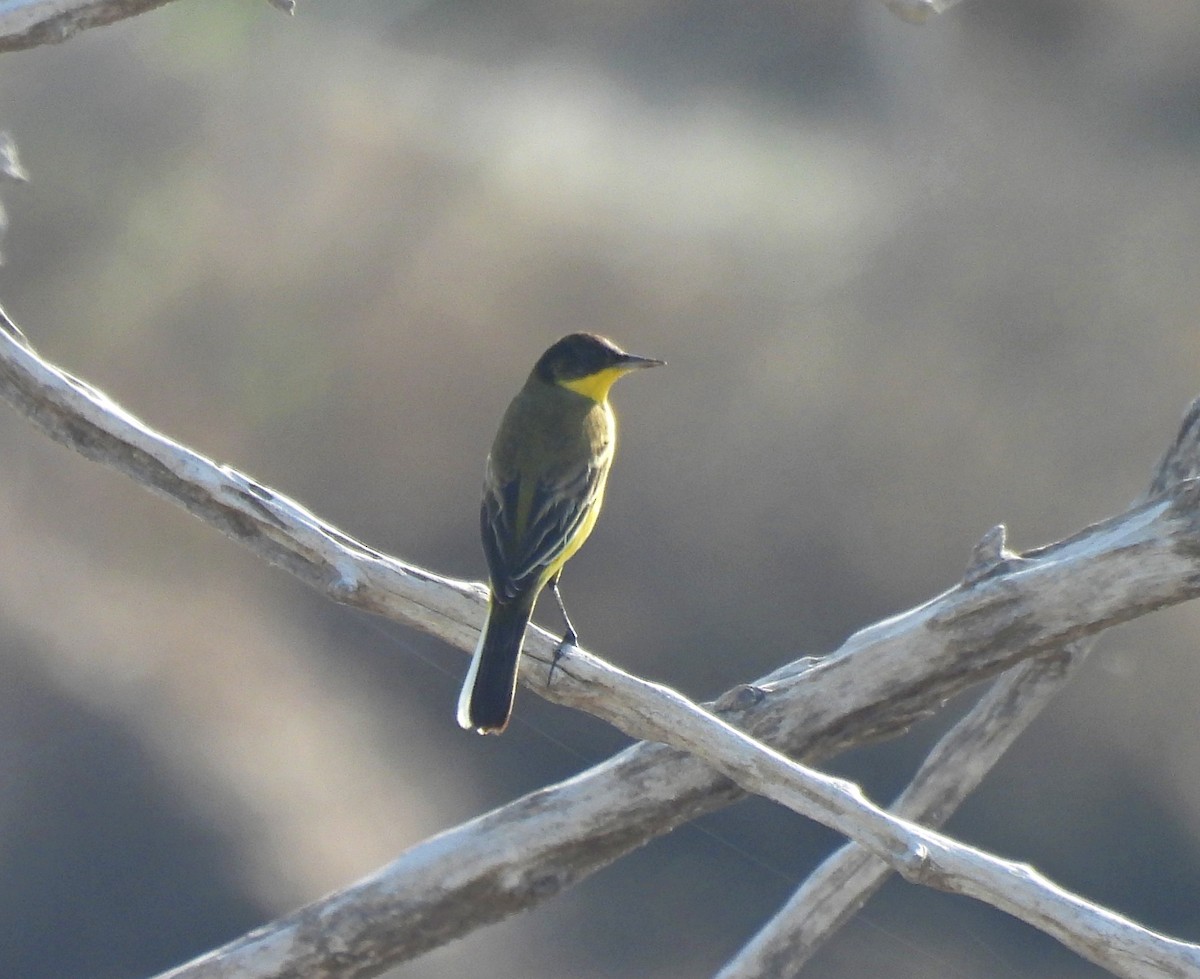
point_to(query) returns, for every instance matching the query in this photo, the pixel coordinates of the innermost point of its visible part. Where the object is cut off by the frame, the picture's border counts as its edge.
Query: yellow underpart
(596, 386)
(581, 534)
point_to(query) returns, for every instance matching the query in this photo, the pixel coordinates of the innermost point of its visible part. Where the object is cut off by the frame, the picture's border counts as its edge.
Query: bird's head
(588, 364)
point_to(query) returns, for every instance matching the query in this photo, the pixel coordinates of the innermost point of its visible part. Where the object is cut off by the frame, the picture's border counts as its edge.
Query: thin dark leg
(570, 638)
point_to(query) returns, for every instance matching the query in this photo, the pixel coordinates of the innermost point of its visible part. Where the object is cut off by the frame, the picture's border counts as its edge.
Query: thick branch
(922, 856)
(841, 885)
(835, 891)
(880, 680)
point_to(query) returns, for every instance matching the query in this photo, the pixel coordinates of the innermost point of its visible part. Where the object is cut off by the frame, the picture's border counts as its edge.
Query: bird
(543, 486)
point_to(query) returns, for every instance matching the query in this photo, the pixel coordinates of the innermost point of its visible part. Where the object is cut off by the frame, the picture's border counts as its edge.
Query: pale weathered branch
(835, 891)
(881, 679)
(29, 23)
(832, 894)
(922, 856)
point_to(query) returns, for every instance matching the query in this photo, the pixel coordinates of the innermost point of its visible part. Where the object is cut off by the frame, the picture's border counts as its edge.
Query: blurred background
(911, 282)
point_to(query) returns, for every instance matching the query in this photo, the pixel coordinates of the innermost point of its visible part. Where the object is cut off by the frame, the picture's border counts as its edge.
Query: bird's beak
(631, 362)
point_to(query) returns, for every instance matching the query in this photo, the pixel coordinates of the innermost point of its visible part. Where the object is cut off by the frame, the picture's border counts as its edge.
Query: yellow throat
(596, 386)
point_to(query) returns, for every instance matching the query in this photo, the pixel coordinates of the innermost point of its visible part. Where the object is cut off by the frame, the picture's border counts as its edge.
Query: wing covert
(523, 531)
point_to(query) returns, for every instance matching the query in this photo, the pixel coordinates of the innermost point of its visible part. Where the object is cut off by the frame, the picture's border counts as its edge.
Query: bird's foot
(569, 639)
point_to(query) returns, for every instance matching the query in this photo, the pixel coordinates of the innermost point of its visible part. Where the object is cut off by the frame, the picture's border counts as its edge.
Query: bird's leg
(569, 637)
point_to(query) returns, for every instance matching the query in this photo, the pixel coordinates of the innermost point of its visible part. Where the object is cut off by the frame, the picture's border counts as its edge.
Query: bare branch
(921, 856)
(270, 524)
(838, 888)
(29, 23)
(880, 680)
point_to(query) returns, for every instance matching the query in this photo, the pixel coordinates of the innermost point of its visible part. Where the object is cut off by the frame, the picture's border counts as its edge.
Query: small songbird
(542, 491)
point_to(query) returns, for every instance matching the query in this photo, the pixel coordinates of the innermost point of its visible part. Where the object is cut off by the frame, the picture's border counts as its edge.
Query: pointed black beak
(632, 361)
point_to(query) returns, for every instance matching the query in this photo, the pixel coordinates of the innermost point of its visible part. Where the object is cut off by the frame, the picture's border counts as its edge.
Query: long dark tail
(487, 694)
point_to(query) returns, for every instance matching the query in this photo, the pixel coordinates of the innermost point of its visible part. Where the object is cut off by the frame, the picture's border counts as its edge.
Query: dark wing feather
(496, 515)
(519, 547)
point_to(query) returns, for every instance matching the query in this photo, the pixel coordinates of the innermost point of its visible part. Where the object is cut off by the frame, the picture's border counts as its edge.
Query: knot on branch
(916, 864)
(741, 697)
(345, 583)
(990, 556)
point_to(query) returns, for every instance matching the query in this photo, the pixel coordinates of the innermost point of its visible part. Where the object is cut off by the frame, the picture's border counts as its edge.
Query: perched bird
(542, 491)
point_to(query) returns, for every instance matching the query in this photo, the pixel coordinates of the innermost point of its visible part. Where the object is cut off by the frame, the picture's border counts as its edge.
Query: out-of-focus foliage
(910, 283)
